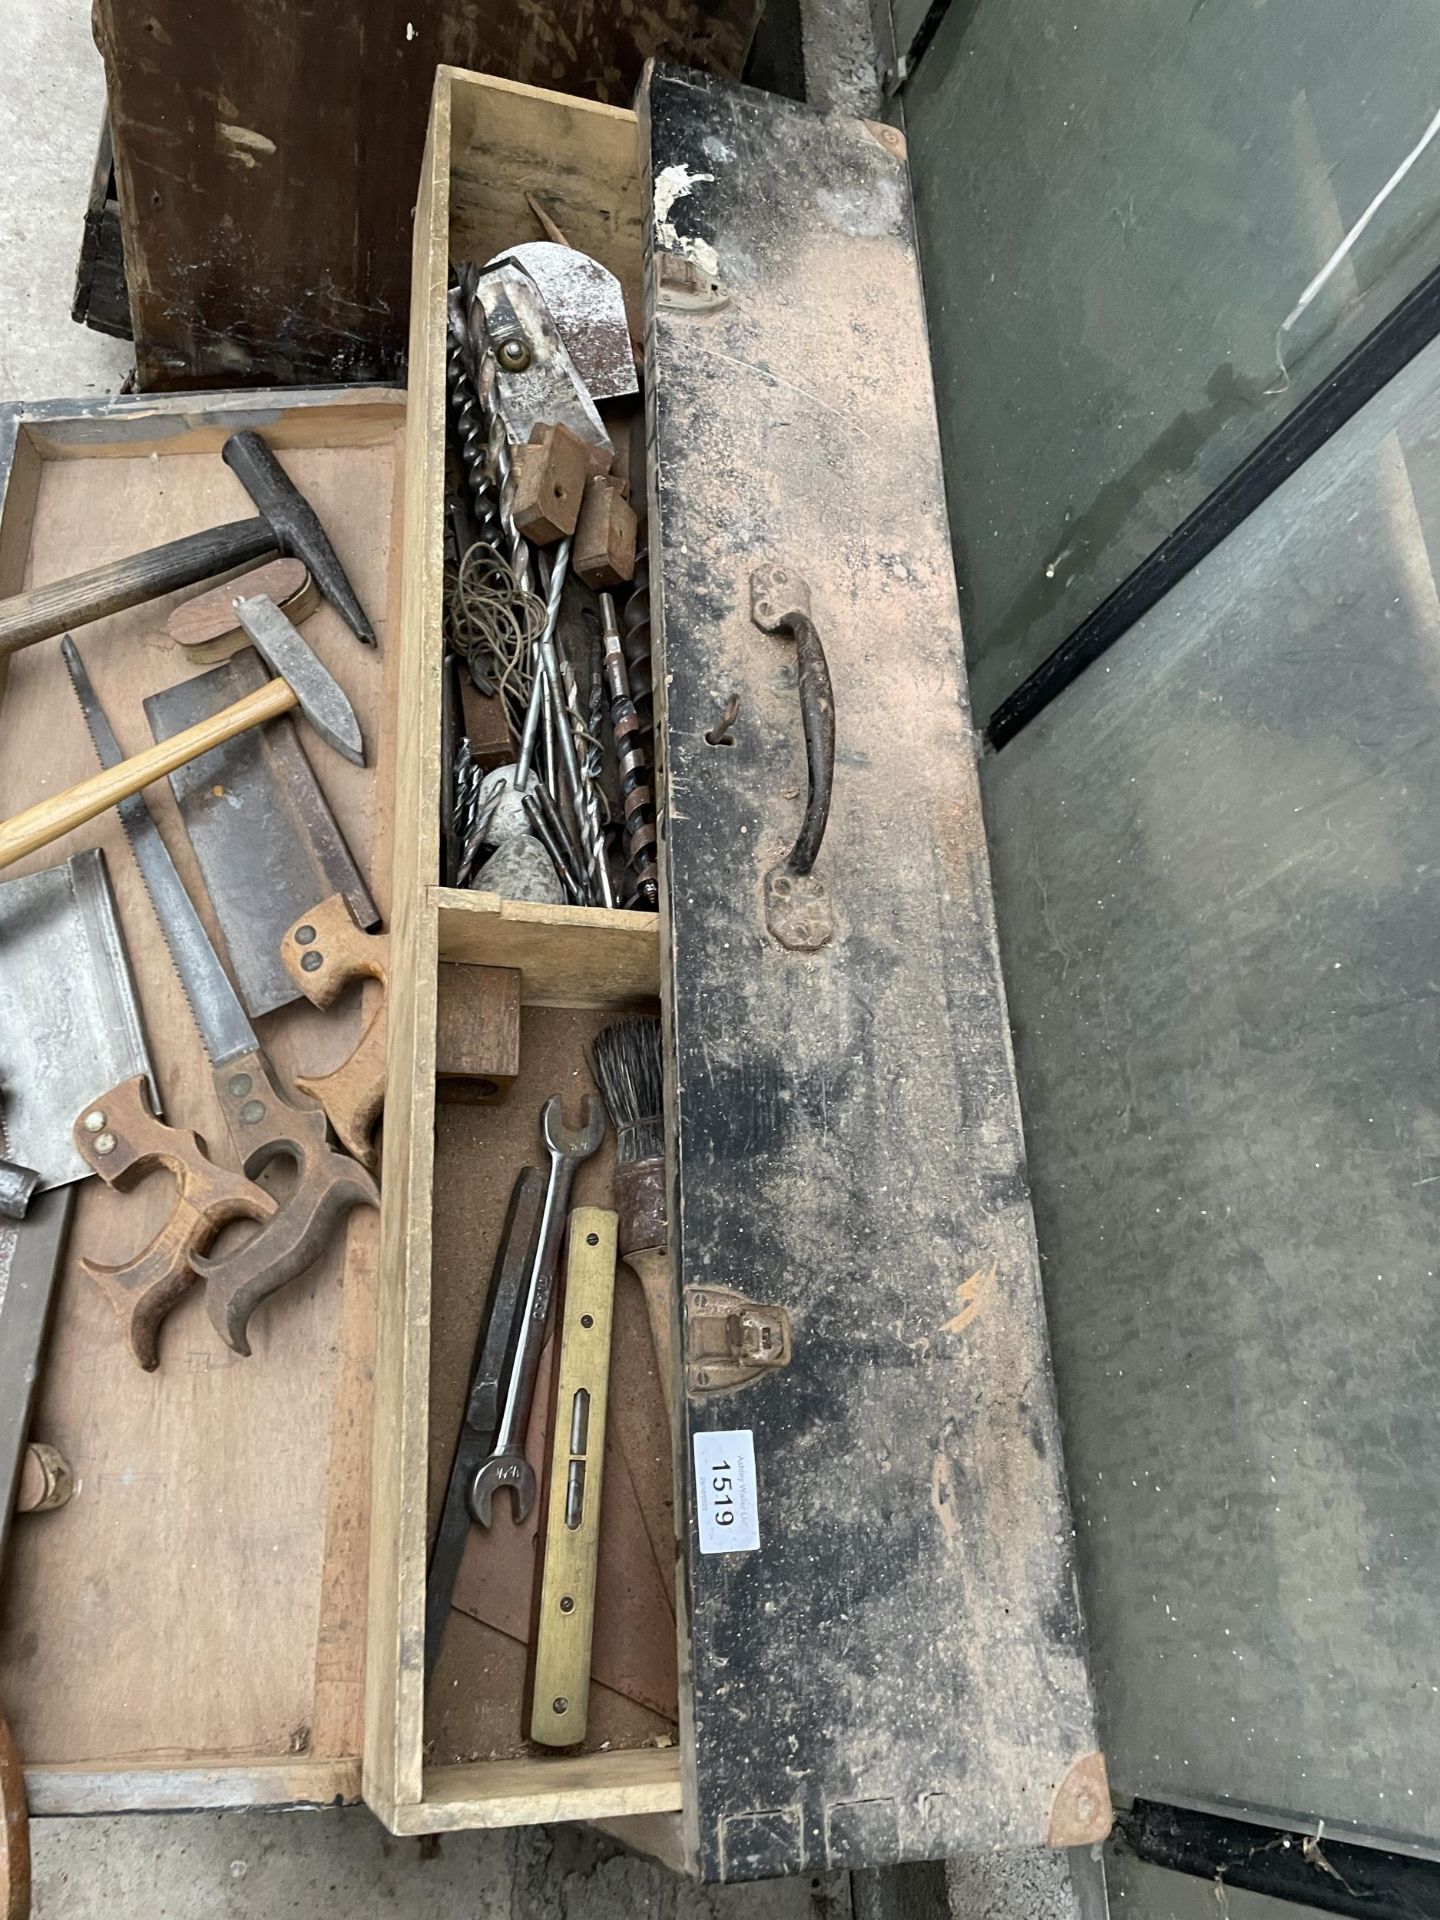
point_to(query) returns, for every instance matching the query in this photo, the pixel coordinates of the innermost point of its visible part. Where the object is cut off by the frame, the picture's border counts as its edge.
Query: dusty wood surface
(566, 956)
(215, 1545)
(395, 1607)
(266, 172)
(541, 1791)
(898, 1670)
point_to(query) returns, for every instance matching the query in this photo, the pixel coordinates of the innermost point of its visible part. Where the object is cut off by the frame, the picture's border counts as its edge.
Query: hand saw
(70, 1024)
(263, 1125)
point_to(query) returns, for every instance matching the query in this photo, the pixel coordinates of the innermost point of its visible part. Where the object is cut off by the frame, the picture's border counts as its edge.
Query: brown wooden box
(800, 421)
(490, 141)
(189, 1630)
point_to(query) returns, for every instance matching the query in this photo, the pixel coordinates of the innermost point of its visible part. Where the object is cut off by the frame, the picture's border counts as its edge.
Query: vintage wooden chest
(897, 1669)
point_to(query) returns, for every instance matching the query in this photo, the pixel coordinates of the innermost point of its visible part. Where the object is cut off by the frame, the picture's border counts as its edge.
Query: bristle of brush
(627, 1072)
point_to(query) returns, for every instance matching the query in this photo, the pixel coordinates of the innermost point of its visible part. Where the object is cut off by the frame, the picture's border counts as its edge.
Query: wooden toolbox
(890, 1665)
(897, 1669)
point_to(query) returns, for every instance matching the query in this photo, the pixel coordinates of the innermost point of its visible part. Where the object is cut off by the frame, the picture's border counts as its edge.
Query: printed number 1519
(722, 1499)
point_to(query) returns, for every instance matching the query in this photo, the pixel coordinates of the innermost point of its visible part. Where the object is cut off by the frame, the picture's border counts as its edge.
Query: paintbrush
(627, 1072)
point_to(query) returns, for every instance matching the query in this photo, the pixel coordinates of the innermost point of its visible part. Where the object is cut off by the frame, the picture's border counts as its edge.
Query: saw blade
(70, 1024)
(214, 1004)
(268, 847)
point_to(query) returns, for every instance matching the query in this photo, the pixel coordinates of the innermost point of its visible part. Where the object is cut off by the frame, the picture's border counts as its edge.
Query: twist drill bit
(556, 675)
(635, 640)
(595, 719)
(636, 798)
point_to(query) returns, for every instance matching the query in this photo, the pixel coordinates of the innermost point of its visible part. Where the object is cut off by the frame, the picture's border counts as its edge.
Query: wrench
(507, 1465)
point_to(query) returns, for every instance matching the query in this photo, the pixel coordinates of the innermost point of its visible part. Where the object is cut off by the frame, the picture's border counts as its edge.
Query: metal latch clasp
(730, 1340)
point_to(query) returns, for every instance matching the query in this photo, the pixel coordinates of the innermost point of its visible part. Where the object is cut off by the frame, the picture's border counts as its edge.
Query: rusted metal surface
(897, 1670)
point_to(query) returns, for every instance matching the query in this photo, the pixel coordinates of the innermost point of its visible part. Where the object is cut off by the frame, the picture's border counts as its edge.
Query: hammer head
(295, 524)
(322, 701)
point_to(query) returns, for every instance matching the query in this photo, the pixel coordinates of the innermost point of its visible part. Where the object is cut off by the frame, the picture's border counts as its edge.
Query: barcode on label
(726, 1503)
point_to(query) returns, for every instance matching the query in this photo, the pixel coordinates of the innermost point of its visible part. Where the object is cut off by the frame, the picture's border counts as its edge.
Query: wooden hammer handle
(45, 611)
(48, 819)
(323, 952)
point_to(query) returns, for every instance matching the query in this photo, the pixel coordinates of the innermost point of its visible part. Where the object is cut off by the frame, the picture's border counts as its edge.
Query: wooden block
(484, 721)
(477, 1032)
(604, 554)
(549, 480)
(206, 626)
(625, 423)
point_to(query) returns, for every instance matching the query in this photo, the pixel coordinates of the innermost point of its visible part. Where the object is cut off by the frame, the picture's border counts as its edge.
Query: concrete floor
(269, 1866)
(52, 97)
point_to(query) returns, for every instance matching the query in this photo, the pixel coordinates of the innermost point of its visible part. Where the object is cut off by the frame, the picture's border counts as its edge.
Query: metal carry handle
(797, 906)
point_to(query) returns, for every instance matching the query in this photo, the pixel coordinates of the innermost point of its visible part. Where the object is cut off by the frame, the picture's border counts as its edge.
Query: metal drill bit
(534, 714)
(636, 798)
(554, 676)
(470, 429)
(479, 362)
(594, 753)
(635, 639)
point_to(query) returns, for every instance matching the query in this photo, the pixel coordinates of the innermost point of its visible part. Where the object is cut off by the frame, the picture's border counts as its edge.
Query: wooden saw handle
(326, 1185)
(323, 953)
(651, 1267)
(122, 1141)
(48, 819)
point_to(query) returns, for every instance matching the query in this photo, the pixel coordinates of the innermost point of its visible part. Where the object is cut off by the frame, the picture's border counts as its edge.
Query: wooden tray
(189, 1630)
(490, 142)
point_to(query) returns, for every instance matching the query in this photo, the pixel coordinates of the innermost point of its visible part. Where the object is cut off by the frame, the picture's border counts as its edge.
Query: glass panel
(1118, 207)
(1217, 882)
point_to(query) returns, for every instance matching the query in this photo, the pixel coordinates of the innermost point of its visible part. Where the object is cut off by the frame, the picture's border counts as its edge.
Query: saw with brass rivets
(262, 1124)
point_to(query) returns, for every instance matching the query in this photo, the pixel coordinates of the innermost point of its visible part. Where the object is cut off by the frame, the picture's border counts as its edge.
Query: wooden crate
(189, 1630)
(490, 141)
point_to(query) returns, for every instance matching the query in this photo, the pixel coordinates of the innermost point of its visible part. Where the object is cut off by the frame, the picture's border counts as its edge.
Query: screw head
(567, 1604)
(238, 1085)
(252, 1113)
(304, 935)
(106, 1143)
(312, 962)
(587, 1319)
(592, 1239)
(94, 1121)
(513, 355)
(560, 1704)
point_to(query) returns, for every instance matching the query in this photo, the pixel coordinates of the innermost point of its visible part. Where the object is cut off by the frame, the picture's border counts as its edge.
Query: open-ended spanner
(507, 1465)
